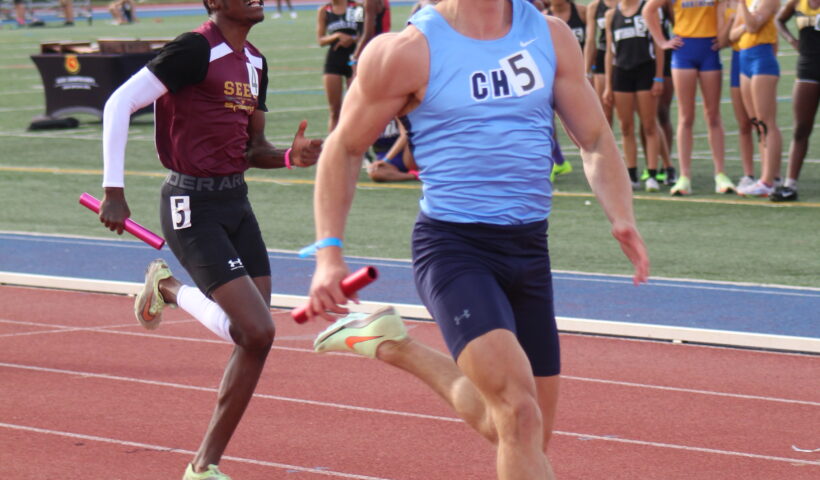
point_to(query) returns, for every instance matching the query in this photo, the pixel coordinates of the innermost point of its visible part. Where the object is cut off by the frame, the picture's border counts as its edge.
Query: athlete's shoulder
(188, 47)
(183, 61)
(191, 41)
(395, 63)
(396, 48)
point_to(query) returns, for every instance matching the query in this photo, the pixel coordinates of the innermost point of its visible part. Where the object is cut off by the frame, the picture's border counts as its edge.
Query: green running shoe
(560, 169)
(212, 473)
(682, 187)
(723, 184)
(362, 333)
(149, 303)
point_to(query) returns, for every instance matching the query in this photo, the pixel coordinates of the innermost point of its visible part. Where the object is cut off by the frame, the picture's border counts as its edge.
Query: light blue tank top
(483, 134)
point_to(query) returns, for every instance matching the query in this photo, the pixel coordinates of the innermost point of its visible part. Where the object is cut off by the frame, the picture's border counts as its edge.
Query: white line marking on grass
(582, 436)
(19, 109)
(160, 448)
(34, 89)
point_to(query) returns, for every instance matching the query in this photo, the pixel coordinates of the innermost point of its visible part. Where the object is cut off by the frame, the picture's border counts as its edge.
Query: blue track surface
(695, 304)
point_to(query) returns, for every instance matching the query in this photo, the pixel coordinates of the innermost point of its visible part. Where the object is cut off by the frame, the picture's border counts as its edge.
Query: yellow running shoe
(149, 303)
(212, 473)
(723, 184)
(362, 333)
(682, 187)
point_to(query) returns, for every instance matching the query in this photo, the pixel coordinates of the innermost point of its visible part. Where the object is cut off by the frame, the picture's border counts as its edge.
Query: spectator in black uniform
(806, 92)
(595, 50)
(338, 26)
(634, 72)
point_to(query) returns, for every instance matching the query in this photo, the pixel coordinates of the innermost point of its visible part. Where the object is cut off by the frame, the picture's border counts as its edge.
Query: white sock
(208, 312)
(791, 183)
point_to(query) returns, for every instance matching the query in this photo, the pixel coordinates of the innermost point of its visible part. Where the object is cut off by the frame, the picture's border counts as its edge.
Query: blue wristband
(311, 249)
(658, 79)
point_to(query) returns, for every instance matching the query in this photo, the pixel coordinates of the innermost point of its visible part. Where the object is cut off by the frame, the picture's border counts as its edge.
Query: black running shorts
(210, 227)
(633, 80)
(808, 69)
(337, 62)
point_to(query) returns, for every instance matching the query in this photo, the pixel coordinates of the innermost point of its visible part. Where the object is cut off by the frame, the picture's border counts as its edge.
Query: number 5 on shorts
(181, 211)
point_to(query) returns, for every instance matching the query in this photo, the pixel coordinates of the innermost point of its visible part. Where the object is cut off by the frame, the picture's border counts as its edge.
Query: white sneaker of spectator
(758, 189)
(745, 181)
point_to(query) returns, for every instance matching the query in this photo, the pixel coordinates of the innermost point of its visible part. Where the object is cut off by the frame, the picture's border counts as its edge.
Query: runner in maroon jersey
(209, 86)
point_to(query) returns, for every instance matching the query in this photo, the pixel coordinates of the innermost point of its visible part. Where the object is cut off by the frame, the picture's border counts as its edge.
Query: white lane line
(582, 436)
(692, 390)
(109, 329)
(160, 448)
(691, 449)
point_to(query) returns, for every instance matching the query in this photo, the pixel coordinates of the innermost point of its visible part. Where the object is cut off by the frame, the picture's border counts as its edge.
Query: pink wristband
(287, 159)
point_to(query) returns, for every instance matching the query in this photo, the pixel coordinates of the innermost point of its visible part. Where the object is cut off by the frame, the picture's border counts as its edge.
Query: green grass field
(706, 236)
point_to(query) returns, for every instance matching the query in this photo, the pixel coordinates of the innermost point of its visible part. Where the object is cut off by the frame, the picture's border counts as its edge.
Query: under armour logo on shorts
(235, 264)
(463, 316)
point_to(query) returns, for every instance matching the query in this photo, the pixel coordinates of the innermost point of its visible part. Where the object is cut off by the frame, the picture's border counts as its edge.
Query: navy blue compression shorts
(475, 278)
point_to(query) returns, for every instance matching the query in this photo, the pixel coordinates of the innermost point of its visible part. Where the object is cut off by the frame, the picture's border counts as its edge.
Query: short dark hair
(207, 8)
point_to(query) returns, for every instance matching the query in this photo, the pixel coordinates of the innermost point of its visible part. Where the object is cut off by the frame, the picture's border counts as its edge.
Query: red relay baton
(350, 284)
(88, 201)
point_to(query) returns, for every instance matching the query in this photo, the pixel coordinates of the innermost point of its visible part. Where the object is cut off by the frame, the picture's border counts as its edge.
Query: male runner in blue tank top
(476, 87)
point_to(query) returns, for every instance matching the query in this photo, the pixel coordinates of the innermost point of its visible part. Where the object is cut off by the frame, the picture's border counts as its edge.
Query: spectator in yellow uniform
(695, 60)
(756, 36)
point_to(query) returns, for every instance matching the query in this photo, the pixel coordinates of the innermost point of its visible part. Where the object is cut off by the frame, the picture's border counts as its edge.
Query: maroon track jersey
(202, 122)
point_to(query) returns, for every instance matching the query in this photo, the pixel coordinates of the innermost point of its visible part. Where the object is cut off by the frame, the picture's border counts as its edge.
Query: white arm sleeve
(137, 92)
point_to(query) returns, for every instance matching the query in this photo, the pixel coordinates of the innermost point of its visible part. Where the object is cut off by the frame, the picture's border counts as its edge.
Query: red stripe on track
(87, 390)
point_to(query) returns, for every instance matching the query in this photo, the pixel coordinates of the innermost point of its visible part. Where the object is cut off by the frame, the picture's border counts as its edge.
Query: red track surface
(87, 394)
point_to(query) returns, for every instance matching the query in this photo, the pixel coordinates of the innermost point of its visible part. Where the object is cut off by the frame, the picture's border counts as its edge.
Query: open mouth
(255, 3)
